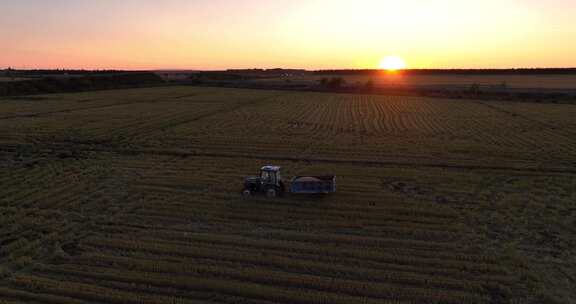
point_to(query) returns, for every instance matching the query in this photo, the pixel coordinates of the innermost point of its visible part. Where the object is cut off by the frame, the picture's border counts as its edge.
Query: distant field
(5, 79)
(133, 196)
(511, 81)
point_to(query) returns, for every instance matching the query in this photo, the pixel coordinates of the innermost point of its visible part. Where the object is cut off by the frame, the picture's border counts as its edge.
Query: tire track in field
(224, 110)
(68, 226)
(562, 138)
(40, 114)
(560, 132)
(72, 110)
(370, 163)
(359, 162)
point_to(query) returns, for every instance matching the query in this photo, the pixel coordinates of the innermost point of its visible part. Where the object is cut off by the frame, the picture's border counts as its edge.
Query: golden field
(133, 196)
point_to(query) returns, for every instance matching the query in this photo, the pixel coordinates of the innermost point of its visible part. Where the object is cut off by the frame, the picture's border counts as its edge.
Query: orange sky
(313, 34)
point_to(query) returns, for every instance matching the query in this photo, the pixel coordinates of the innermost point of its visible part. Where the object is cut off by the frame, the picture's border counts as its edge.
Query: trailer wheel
(246, 193)
(271, 193)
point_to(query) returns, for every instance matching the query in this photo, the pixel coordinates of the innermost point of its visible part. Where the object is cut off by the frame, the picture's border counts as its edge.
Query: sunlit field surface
(133, 196)
(387, 79)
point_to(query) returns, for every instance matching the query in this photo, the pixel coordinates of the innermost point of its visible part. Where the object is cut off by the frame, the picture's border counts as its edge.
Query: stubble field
(133, 196)
(532, 83)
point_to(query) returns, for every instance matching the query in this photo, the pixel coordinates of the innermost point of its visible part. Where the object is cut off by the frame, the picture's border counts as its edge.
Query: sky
(311, 34)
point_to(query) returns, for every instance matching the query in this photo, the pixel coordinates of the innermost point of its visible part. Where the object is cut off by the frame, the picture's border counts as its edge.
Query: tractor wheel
(271, 193)
(246, 193)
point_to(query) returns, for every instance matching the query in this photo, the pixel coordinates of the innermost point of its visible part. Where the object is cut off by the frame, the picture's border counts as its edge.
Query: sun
(392, 63)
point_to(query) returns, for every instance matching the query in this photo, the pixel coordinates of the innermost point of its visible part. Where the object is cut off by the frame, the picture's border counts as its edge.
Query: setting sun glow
(392, 63)
(307, 34)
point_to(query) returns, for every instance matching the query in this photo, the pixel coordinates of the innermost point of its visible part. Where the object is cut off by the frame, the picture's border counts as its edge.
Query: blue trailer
(270, 182)
(313, 184)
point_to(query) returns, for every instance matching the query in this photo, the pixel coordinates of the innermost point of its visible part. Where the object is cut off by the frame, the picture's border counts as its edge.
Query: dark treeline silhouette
(523, 71)
(43, 72)
(82, 83)
(275, 70)
(216, 76)
(245, 74)
(333, 83)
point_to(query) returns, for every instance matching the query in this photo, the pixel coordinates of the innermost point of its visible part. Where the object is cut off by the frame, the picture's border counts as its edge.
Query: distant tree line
(76, 84)
(534, 71)
(272, 72)
(339, 83)
(47, 72)
(333, 83)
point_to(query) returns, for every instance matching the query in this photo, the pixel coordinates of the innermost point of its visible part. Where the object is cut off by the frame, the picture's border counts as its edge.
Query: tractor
(270, 183)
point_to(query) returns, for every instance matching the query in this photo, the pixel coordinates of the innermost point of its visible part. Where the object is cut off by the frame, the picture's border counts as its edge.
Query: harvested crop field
(6, 79)
(133, 196)
(566, 82)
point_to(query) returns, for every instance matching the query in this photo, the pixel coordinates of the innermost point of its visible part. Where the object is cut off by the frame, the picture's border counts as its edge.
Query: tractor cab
(270, 175)
(269, 182)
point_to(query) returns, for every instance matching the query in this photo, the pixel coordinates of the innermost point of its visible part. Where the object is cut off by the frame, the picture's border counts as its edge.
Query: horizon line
(276, 68)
